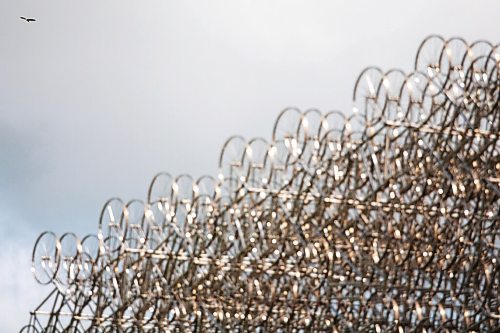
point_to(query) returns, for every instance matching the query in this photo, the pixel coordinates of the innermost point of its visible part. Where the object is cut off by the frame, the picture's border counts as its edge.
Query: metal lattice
(383, 221)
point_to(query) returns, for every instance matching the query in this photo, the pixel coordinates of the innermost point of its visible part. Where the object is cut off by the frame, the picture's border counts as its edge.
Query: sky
(98, 96)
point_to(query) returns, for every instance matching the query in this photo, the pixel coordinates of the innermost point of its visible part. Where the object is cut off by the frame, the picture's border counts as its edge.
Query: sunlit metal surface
(386, 220)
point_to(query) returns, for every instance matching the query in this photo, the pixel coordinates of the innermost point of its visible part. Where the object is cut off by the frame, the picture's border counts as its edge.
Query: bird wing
(31, 20)
(22, 17)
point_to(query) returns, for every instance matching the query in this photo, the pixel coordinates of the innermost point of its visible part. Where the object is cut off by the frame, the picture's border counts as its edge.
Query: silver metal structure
(383, 221)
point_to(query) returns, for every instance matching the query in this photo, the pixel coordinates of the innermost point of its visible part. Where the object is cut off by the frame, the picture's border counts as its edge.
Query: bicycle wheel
(46, 258)
(110, 220)
(70, 250)
(231, 156)
(160, 188)
(286, 129)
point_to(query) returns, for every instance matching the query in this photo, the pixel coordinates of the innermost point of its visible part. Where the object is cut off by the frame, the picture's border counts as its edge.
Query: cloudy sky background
(98, 96)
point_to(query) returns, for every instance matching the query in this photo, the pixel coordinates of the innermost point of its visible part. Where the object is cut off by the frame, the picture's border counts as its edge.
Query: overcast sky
(98, 96)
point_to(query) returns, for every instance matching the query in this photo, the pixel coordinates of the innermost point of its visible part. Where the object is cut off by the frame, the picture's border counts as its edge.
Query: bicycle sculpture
(383, 221)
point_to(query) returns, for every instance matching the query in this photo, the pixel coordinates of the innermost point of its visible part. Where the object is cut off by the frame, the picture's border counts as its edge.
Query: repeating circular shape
(46, 257)
(111, 217)
(382, 221)
(231, 157)
(160, 188)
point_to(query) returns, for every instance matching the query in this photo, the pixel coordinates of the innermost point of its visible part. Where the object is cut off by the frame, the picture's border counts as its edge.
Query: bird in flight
(27, 19)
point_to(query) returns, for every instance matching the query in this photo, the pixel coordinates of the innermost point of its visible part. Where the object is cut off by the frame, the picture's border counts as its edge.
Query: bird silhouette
(27, 19)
